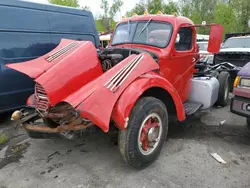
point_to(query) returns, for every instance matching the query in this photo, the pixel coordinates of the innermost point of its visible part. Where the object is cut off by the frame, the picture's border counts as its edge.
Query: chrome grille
(62, 51)
(42, 99)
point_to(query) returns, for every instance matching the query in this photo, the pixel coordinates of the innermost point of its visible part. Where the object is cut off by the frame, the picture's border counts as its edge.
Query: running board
(191, 107)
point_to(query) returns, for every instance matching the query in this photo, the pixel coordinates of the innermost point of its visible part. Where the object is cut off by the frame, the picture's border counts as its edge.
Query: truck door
(182, 61)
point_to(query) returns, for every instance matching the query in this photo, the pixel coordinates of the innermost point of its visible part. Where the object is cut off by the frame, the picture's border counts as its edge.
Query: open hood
(64, 70)
(36, 67)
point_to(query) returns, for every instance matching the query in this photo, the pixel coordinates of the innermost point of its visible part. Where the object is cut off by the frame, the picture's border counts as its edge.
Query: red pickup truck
(146, 75)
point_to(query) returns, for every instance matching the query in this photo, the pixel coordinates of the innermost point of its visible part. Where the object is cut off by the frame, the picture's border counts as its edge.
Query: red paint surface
(66, 74)
(215, 38)
(241, 92)
(77, 77)
(96, 101)
(129, 97)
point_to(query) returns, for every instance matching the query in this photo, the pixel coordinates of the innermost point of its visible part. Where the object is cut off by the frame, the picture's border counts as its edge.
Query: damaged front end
(41, 120)
(61, 72)
(73, 91)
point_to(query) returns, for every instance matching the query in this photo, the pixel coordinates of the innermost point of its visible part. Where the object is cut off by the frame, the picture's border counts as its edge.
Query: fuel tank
(61, 72)
(204, 90)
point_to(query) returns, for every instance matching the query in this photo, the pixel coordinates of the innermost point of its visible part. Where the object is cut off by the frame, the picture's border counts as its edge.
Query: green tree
(107, 18)
(185, 8)
(69, 3)
(170, 7)
(139, 9)
(153, 6)
(242, 10)
(225, 15)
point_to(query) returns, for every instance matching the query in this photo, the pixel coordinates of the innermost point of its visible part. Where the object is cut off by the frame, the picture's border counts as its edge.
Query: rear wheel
(223, 96)
(143, 140)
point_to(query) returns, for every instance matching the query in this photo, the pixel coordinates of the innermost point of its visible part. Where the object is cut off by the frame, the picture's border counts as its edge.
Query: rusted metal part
(27, 117)
(59, 129)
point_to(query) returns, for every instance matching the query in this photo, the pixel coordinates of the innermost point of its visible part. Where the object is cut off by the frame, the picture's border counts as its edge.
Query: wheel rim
(226, 92)
(149, 134)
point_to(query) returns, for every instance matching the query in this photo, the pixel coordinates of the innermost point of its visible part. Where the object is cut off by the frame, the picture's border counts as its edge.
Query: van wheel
(223, 96)
(141, 143)
(50, 123)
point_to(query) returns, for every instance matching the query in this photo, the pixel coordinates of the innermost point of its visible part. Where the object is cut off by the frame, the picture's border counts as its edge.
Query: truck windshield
(243, 42)
(143, 32)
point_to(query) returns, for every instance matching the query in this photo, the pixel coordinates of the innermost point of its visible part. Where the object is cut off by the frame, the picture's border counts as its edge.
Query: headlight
(207, 59)
(210, 59)
(245, 82)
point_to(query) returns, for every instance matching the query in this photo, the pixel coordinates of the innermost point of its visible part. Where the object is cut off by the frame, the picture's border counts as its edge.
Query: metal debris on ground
(218, 158)
(222, 122)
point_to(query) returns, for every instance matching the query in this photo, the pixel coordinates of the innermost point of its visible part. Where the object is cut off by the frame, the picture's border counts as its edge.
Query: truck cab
(147, 74)
(168, 39)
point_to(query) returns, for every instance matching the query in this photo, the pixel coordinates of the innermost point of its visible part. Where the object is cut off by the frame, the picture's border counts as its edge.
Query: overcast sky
(95, 6)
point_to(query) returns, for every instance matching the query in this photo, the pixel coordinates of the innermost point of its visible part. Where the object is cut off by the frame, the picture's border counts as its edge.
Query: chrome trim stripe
(62, 51)
(119, 77)
(110, 81)
(122, 75)
(121, 82)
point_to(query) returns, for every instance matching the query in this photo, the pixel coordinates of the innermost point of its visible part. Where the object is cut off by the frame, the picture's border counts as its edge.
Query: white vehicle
(235, 50)
(203, 50)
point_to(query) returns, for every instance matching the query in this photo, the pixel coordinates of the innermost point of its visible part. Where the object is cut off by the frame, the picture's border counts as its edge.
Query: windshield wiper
(145, 26)
(129, 26)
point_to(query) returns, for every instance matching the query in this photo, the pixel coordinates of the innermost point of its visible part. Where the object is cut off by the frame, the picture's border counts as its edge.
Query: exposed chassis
(28, 120)
(214, 70)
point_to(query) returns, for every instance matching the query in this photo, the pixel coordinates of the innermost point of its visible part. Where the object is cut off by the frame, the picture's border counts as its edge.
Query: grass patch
(19, 148)
(3, 138)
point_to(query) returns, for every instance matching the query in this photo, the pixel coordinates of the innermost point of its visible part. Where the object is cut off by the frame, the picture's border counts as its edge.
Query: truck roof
(174, 20)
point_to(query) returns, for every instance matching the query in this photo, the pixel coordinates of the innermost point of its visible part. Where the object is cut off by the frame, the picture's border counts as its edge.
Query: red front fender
(132, 93)
(96, 100)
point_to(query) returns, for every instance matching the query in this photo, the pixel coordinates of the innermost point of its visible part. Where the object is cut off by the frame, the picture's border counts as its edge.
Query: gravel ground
(94, 161)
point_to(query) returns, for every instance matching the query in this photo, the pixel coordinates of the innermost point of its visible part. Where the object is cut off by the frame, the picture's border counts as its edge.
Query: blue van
(29, 30)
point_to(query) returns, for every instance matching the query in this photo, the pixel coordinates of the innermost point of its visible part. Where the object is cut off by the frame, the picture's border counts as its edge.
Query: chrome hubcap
(149, 134)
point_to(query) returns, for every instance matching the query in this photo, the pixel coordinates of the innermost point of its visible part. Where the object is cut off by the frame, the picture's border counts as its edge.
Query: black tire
(50, 123)
(128, 139)
(248, 123)
(223, 96)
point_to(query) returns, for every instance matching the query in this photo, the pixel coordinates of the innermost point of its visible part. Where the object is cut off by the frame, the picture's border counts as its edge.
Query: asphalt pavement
(94, 161)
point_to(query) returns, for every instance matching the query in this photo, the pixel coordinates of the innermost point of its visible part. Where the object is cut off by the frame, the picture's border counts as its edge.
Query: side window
(184, 39)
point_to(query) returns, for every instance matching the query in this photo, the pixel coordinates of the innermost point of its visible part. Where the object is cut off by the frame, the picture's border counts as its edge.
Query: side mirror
(215, 38)
(177, 38)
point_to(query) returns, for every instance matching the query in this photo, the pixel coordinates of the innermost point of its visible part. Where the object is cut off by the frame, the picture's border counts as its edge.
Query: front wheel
(141, 143)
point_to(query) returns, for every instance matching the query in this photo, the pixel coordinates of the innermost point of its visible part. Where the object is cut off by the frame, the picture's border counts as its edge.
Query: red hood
(64, 70)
